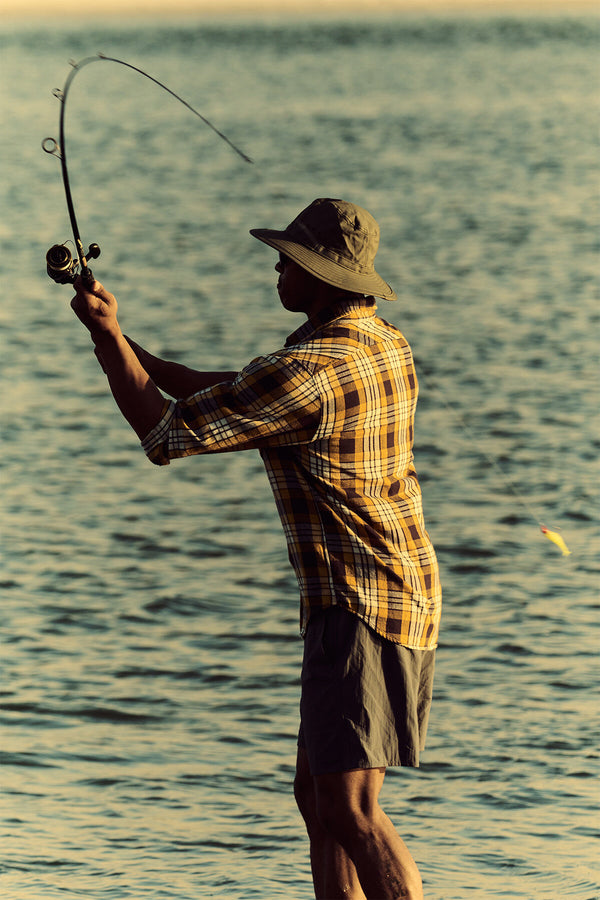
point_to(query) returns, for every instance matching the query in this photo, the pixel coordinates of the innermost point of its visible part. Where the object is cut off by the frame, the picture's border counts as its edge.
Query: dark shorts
(365, 700)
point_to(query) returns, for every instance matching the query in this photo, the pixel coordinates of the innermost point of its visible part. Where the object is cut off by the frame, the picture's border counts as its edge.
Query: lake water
(150, 651)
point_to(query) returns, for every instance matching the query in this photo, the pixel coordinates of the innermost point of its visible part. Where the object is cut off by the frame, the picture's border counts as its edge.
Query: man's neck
(331, 297)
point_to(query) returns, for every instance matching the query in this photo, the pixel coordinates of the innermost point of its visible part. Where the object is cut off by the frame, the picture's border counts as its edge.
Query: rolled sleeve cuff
(155, 444)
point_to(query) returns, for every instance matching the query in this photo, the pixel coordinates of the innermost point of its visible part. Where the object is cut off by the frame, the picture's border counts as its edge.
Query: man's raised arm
(136, 395)
(134, 375)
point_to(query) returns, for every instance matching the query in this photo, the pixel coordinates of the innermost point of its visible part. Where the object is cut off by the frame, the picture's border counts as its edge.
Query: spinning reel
(61, 266)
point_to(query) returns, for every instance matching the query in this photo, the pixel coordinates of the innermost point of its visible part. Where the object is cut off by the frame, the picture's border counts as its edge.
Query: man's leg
(358, 690)
(334, 874)
(348, 810)
(351, 836)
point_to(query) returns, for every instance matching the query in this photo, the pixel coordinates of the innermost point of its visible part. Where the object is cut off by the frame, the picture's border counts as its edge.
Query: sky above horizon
(18, 8)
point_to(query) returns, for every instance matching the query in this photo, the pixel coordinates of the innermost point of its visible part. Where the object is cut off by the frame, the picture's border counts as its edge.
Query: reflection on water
(150, 651)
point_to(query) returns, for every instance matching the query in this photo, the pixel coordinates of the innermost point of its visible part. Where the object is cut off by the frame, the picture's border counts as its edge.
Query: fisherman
(332, 416)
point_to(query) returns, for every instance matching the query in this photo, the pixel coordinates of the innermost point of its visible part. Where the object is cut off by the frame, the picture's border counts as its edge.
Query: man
(332, 416)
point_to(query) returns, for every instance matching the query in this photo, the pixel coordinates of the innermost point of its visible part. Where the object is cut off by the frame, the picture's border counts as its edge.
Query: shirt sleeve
(274, 401)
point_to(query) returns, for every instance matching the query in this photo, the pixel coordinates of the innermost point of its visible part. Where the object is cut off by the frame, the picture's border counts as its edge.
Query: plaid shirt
(332, 416)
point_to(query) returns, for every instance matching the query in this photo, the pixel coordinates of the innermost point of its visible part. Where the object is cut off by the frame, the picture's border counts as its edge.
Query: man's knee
(304, 792)
(343, 816)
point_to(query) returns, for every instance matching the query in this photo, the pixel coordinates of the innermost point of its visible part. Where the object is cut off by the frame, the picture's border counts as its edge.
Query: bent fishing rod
(60, 263)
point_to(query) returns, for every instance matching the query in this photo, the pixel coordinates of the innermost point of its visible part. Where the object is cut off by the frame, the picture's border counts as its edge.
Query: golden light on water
(21, 8)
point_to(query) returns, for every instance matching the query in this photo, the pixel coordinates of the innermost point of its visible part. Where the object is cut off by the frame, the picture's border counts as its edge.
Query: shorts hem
(406, 758)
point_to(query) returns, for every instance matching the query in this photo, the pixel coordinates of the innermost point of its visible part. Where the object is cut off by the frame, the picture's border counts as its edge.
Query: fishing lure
(556, 539)
(60, 264)
(553, 536)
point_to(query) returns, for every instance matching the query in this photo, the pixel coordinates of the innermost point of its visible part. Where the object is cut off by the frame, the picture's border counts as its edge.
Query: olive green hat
(336, 241)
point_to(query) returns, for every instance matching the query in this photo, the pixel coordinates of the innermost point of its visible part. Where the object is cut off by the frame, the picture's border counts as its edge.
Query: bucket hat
(336, 241)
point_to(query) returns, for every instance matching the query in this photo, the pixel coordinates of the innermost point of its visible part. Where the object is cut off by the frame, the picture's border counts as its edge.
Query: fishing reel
(63, 268)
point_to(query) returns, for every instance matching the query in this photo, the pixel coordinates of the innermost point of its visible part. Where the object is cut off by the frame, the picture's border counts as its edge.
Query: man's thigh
(363, 697)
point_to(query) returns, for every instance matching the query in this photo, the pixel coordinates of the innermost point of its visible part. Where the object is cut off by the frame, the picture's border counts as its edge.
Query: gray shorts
(365, 700)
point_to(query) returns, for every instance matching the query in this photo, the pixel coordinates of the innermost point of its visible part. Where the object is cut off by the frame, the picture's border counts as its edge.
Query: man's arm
(136, 395)
(178, 381)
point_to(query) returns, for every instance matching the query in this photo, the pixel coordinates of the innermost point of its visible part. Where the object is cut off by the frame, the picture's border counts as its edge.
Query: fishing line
(60, 265)
(553, 536)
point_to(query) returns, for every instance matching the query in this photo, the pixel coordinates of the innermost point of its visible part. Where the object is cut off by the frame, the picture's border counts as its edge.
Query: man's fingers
(92, 287)
(85, 287)
(99, 291)
(78, 303)
(93, 295)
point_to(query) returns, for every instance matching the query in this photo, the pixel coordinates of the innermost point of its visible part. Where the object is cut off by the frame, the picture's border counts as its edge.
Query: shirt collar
(344, 309)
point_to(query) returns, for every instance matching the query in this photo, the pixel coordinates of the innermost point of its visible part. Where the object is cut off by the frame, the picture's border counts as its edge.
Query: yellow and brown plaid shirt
(332, 416)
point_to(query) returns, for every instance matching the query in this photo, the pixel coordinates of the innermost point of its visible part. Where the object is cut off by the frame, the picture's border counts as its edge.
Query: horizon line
(295, 8)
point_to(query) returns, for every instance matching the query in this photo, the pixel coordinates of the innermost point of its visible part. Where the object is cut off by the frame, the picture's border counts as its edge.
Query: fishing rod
(60, 264)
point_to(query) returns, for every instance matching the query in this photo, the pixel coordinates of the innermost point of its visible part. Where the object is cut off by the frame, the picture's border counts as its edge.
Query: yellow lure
(556, 539)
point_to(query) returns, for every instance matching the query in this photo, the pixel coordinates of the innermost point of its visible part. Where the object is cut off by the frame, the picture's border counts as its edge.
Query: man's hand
(96, 308)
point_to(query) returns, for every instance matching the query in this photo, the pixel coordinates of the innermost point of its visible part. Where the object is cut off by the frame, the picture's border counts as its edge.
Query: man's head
(336, 242)
(299, 291)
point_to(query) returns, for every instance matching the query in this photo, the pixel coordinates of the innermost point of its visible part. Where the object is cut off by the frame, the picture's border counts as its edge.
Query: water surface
(150, 650)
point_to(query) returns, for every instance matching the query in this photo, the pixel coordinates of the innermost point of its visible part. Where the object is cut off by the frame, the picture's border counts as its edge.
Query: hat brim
(327, 270)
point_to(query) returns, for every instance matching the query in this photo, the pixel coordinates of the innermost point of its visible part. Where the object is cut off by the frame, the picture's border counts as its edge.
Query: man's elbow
(158, 456)
(160, 462)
